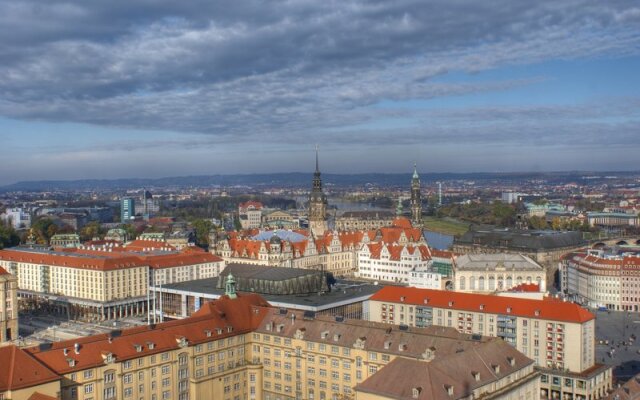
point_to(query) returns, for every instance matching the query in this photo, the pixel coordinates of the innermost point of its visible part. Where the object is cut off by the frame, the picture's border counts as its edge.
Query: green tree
(536, 222)
(504, 214)
(90, 231)
(202, 228)
(8, 237)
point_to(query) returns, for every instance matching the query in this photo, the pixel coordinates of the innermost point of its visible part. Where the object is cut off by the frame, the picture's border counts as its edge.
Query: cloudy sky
(160, 88)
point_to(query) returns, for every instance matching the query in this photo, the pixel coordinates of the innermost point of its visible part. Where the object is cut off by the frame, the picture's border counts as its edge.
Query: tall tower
(416, 201)
(317, 204)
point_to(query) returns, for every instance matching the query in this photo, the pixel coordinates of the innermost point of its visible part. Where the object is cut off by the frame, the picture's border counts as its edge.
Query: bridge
(615, 241)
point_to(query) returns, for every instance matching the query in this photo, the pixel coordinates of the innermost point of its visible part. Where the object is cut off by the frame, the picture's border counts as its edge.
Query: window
(88, 374)
(165, 369)
(128, 378)
(128, 392)
(110, 393)
(88, 388)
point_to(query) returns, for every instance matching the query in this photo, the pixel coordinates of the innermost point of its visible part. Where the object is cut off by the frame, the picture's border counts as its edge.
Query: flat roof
(342, 293)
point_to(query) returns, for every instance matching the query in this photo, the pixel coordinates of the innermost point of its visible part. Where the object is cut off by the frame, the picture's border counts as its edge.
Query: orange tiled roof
(551, 309)
(142, 245)
(73, 261)
(242, 315)
(178, 259)
(21, 371)
(3, 271)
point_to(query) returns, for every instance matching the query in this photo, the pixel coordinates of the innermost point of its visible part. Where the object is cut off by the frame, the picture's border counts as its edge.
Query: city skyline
(140, 90)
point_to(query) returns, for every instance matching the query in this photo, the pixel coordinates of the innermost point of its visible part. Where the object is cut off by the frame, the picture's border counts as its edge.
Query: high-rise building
(317, 204)
(416, 200)
(127, 209)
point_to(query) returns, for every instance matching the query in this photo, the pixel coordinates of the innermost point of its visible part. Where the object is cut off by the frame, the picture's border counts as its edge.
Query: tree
(536, 222)
(202, 228)
(504, 214)
(8, 237)
(90, 231)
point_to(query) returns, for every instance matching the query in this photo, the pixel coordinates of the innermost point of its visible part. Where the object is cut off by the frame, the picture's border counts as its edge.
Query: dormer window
(476, 375)
(449, 389)
(182, 341)
(151, 345)
(536, 313)
(496, 368)
(415, 392)
(207, 333)
(512, 361)
(508, 309)
(219, 331)
(280, 327)
(138, 348)
(324, 334)
(402, 298)
(336, 337)
(72, 362)
(482, 306)
(451, 304)
(229, 329)
(387, 344)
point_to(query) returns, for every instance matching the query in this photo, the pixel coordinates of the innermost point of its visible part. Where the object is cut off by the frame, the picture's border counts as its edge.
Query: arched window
(509, 282)
(472, 283)
(519, 280)
(539, 281)
(462, 283)
(492, 283)
(528, 280)
(481, 283)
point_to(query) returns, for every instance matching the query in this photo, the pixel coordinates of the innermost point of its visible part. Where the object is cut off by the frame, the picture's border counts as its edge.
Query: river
(438, 240)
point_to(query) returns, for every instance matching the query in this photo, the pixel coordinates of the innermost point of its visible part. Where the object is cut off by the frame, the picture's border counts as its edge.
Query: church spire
(317, 165)
(415, 171)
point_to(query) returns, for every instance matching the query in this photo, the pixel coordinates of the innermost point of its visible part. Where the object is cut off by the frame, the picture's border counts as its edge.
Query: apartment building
(8, 307)
(240, 348)
(558, 335)
(602, 279)
(100, 284)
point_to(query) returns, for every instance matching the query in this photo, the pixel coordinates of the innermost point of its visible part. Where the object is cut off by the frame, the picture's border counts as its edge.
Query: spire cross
(317, 169)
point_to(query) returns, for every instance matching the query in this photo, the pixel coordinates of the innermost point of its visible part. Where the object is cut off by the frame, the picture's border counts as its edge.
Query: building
(630, 390)
(8, 307)
(612, 220)
(18, 218)
(250, 214)
(510, 197)
(239, 347)
(558, 335)
(497, 272)
(544, 247)
(602, 280)
(65, 240)
(98, 284)
(317, 205)
(416, 199)
(363, 220)
(290, 288)
(148, 205)
(279, 219)
(127, 209)
(426, 278)
(392, 262)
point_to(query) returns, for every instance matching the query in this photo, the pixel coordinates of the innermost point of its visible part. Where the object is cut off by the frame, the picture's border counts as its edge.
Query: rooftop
(549, 308)
(472, 262)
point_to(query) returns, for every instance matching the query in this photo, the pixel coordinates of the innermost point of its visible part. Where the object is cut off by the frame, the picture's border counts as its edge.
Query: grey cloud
(276, 70)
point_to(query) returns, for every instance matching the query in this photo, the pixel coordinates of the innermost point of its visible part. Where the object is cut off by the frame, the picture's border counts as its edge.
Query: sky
(125, 89)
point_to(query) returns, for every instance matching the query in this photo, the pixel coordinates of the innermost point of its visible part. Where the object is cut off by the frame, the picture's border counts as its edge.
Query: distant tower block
(416, 200)
(439, 194)
(317, 204)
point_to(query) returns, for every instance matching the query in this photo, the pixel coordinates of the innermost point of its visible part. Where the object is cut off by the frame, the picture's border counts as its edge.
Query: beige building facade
(240, 348)
(559, 336)
(8, 307)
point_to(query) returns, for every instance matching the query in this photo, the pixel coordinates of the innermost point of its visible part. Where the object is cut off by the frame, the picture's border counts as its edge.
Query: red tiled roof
(20, 370)
(142, 245)
(402, 222)
(73, 261)
(242, 314)
(251, 203)
(526, 287)
(3, 271)
(551, 309)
